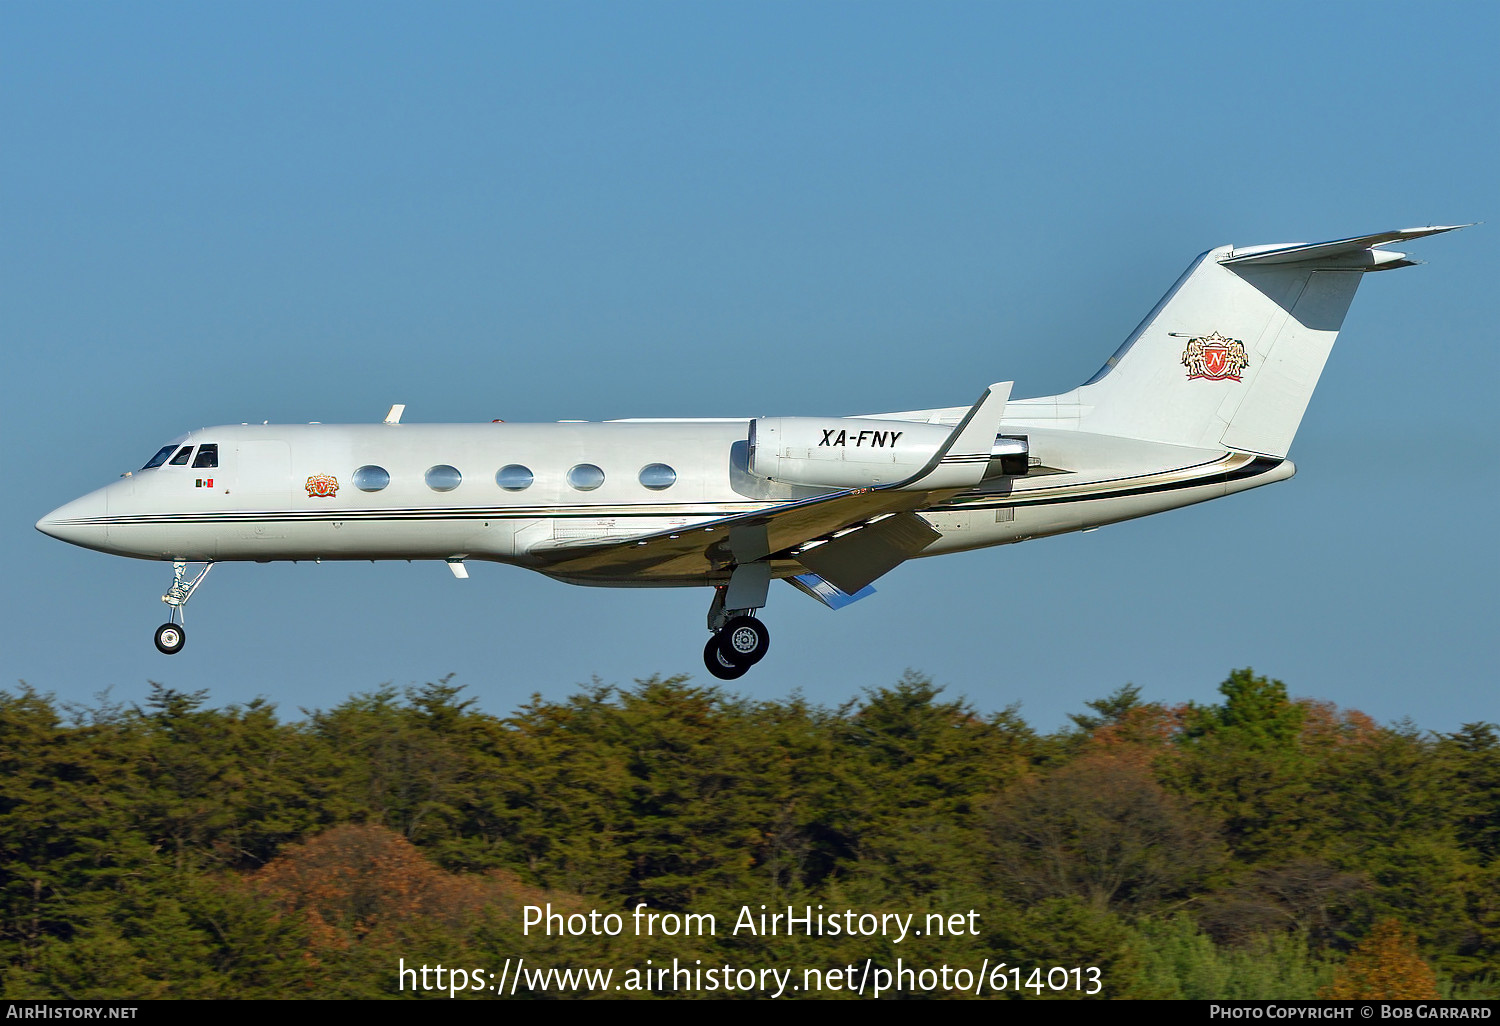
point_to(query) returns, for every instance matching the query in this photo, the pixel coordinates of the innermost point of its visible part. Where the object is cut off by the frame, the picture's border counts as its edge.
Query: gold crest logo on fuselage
(322, 486)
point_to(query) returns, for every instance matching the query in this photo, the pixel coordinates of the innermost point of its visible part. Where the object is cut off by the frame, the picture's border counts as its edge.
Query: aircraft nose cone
(80, 522)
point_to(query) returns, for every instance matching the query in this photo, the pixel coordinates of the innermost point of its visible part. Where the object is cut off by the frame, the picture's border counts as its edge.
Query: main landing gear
(739, 640)
(170, 636)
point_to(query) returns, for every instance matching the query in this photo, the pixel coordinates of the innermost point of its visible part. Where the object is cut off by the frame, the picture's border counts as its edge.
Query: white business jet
(1200, 401)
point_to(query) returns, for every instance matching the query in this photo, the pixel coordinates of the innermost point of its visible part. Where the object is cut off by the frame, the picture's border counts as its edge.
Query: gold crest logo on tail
(1215, 358)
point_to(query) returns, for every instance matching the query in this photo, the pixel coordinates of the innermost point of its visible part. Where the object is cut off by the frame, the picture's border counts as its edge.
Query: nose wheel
(171, 636)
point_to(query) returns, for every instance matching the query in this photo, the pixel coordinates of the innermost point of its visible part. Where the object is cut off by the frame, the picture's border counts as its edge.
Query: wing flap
(856, 560)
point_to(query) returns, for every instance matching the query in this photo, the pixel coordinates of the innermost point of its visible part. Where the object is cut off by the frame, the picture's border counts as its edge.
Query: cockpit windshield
(161, 456)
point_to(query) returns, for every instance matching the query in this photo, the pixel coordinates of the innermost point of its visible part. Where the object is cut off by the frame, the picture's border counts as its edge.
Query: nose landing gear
(170, 636)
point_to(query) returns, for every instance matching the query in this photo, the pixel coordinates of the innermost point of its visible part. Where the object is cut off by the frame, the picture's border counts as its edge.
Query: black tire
(744, 639)
(718, 665)
(170, 638)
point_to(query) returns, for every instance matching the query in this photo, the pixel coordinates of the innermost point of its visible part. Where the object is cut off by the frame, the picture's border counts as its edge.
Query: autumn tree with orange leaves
(1387, 965)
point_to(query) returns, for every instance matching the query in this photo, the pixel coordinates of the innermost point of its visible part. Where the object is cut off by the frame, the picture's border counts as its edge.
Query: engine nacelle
(853, 453)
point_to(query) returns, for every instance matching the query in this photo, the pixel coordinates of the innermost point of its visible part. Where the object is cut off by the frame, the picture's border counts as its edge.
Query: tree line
(1259, 846)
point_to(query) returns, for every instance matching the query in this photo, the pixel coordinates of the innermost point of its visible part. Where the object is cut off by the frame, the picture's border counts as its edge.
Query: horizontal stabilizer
(1361, 251)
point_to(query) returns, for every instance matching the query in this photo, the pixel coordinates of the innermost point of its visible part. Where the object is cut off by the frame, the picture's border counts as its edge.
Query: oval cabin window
(657, 476)
(585, 477)
(443, 478)
(514, 478)
(371, 478)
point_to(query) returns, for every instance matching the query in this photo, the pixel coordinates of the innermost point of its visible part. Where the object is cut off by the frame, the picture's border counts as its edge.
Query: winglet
(826, 592)
(960, 462)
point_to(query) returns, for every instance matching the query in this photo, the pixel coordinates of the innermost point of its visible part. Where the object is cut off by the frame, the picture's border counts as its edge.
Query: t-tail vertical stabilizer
(1230, 356)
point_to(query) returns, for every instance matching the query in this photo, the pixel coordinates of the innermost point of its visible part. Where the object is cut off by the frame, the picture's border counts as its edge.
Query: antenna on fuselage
(394, 417)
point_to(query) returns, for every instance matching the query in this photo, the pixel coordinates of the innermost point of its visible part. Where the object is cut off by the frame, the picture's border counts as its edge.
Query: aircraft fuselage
(283, 492)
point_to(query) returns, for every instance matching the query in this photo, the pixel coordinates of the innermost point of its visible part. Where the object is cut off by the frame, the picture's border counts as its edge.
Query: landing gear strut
(170, 636)
(739, 640)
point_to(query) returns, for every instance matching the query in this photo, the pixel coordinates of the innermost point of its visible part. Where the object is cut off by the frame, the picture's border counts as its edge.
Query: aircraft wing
(717, 545)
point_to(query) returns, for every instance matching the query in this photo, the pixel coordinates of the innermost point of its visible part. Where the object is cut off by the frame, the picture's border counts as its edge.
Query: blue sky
(242, 212)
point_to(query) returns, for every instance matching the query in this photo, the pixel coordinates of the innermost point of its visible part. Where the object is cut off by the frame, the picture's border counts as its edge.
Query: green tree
(1243, 762)
(1181, 962)
(917, 774)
